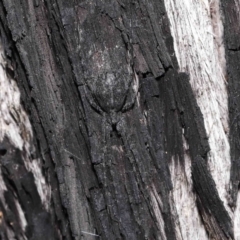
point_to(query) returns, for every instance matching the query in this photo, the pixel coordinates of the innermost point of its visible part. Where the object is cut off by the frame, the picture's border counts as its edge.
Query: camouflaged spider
(111, 94)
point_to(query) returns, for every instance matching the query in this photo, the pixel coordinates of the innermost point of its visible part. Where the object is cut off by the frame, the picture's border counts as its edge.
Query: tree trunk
(119, 119)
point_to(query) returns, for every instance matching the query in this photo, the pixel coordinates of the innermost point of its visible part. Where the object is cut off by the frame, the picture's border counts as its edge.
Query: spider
(111, 94)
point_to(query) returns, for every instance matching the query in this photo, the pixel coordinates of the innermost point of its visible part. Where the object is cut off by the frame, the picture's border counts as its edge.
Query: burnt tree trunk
(119, 119)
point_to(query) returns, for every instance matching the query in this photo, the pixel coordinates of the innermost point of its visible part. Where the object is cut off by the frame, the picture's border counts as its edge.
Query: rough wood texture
(24, 194)
(198, 42)
(116, 114)
(197, 30)
(232, 43)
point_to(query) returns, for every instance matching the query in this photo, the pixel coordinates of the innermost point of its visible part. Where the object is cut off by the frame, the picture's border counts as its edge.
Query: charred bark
(112, 138)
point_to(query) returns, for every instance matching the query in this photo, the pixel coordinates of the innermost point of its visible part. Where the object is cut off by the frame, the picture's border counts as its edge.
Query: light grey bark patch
(217, 221)
(16, 126)
(197, 31)
(184, 199)
(192, 123)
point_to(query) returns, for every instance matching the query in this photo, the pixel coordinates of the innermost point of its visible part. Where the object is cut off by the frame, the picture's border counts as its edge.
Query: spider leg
(91, 100)
(131, 95)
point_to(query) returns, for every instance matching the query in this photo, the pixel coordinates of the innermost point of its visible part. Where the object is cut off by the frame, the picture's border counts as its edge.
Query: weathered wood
(231, 40)
(197, 30)
(128, 104)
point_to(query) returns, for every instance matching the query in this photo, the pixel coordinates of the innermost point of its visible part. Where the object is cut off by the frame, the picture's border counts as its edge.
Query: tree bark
(119, 119)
